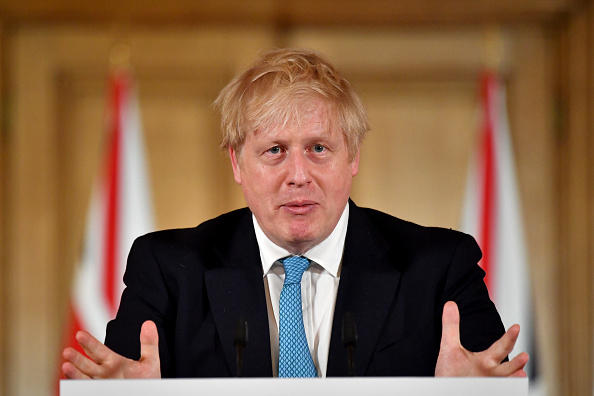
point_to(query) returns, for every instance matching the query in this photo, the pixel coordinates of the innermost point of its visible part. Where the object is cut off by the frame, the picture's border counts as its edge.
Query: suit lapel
(368, 284)
(237, 289)
(367, 289)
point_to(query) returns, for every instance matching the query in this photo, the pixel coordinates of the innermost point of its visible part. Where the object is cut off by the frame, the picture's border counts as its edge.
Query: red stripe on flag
(487, 230)
(113, 195)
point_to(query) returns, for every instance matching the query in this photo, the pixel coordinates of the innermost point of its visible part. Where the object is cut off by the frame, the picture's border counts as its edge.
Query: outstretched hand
(104, 363)
(456, 361)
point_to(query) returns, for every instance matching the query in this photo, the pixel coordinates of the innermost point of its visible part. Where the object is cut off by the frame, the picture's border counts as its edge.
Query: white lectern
(405, 386)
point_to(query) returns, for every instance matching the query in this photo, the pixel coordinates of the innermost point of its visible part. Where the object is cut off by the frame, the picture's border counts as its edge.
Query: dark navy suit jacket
(395, 278)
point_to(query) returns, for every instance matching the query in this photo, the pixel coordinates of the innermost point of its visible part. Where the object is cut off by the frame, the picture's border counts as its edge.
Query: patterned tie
(294, 359)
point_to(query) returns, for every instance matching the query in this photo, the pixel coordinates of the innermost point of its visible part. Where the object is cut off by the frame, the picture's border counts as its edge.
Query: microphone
(240, 341)
(349, 339)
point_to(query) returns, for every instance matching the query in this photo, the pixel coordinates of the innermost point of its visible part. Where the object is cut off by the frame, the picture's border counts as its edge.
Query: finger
(450, 334)
(519, 362)
(149, 343)
(81, 363)
(519, 374)
(93, 348)
(71, 372)
(514, 367)
(503, 346)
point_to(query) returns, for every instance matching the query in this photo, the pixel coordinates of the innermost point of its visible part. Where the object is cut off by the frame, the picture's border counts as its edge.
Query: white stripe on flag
(136, 218)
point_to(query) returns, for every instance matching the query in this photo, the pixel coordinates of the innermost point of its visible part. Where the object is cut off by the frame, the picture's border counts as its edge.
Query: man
(293, 128)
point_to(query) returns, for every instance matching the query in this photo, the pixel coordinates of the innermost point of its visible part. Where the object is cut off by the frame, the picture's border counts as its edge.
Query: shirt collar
(327, 254)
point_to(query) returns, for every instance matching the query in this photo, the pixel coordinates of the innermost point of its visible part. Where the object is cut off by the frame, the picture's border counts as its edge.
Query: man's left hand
(456, 361)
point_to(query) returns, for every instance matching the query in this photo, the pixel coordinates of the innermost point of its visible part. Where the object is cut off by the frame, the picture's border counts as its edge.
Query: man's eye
(274, 150)
(318, 148)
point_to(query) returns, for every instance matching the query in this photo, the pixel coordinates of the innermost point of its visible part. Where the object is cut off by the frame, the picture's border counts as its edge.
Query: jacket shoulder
(415, 236)
(188, 244)
(216, 228)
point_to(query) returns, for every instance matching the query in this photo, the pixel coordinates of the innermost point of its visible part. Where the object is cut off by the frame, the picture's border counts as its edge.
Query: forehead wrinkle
(309, 129)
(297, 118)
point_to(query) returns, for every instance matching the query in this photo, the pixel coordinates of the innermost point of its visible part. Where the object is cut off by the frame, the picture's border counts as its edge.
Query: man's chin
(301, 241)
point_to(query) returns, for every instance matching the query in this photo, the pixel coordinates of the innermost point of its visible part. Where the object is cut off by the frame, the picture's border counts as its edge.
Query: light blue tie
(294, 358)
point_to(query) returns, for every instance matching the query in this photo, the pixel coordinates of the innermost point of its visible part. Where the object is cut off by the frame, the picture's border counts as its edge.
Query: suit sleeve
(146, 297)
(480, 324)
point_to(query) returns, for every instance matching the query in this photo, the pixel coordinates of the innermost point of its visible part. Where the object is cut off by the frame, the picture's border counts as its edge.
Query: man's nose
(298, 169)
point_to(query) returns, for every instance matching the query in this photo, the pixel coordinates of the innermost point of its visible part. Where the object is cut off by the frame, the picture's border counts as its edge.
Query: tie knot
(295, 266)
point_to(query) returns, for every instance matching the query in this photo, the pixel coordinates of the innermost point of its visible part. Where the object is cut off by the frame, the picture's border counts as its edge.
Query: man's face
(296, 179)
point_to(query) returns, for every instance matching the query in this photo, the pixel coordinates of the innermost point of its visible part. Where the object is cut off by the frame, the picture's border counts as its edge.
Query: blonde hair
(274, 91)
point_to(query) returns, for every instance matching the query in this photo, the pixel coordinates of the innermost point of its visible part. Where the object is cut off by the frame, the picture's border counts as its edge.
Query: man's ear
(355, 164)
(235, 165)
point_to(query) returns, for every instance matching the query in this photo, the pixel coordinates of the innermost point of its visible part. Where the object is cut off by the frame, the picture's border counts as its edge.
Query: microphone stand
(240, 342)
(349, 340)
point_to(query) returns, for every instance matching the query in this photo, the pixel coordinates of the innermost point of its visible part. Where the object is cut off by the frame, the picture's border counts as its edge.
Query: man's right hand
(104, 363)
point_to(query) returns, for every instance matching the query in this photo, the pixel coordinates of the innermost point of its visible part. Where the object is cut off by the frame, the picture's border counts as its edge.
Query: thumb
(450, 334)
(149, 343)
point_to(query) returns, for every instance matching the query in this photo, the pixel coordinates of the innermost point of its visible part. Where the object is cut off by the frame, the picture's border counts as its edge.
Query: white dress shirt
(319, 286)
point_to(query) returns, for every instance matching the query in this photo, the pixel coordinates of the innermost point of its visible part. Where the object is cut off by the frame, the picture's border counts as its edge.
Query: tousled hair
(279, 87)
